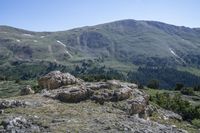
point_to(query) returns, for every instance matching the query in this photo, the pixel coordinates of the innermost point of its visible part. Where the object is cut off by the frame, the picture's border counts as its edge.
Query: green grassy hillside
(122, 45)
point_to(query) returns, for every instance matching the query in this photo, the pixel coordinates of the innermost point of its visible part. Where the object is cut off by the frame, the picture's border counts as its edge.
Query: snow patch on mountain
(66, 51)
(18, 40)
(178, 57)
(61, 43)
(28, 35)
(42, 36)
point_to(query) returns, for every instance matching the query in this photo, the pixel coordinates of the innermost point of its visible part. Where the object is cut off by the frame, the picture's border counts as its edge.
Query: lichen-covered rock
(27, 90)
(56, 79)
(119, 84)
(138, 105)
(122, 93)
(74, 94)
(97, 85)
(103, 96)
(112, 90)
(112, 95)
(12, 104)
(20, 125)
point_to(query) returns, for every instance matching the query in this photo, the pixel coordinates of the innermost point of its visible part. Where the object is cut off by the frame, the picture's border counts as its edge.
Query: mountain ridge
(8, 26)
(123, 45)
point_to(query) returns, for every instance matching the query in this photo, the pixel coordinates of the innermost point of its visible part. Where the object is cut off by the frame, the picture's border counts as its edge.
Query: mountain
(125, 45)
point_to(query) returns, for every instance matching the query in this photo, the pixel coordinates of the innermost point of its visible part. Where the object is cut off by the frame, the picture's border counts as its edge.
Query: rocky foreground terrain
(68, 104)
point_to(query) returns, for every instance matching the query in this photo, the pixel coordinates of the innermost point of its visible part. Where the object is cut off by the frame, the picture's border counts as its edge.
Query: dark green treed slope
(122, 45)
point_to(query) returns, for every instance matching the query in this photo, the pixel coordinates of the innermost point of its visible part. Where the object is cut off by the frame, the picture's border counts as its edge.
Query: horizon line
(21, 28)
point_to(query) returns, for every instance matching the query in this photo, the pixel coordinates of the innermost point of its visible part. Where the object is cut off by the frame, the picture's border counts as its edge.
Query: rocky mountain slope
(122, 45)
(127, 40)
(68, 104)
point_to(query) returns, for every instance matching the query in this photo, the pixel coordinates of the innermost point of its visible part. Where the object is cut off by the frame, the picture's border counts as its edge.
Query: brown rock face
(56, 79)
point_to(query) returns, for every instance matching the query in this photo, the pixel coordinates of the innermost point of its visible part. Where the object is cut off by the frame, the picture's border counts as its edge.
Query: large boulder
(56, 79)
(27, 90)
(74, 94)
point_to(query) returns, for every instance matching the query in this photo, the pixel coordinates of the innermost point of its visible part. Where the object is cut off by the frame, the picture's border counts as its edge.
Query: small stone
(27, 90)
(58, 120)
(107, 128)
(1, 111)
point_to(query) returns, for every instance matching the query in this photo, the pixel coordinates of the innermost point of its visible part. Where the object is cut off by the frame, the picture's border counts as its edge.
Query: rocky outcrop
(56, 79)
(27, 90)
(134, 100)
(20, 125)
(12, 104)
(100, 92)
(122, 108)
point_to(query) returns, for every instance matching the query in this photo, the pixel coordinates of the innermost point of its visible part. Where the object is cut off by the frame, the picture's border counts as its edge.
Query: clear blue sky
(53, 15)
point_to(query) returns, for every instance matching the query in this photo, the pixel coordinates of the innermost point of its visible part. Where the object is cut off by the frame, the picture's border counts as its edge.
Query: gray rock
(12, 104)
(1, 111)
(112, 90)
(97, 85)
(138, 105)
(19, 125)
(27, 90)
(58, 120)
(112, 95)
(74, 94)
(123, 93)
(119, 84)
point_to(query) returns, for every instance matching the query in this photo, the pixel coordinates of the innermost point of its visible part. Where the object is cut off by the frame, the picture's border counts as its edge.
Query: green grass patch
(12, 88)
